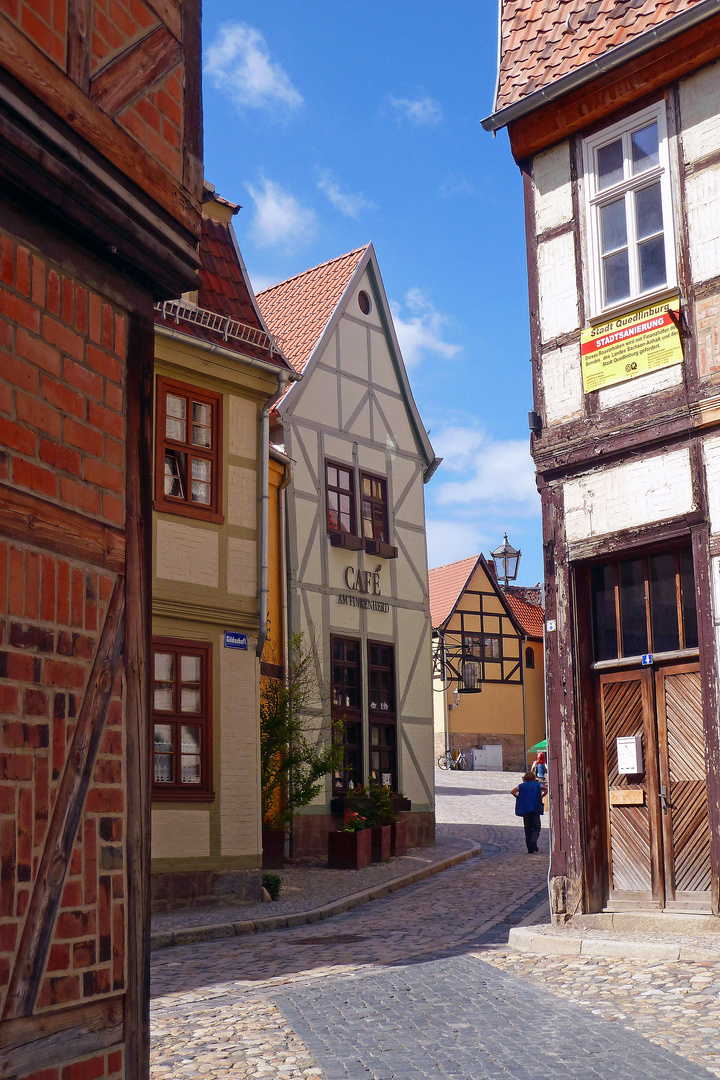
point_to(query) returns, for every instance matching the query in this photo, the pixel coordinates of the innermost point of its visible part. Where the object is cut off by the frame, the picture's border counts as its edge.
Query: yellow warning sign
(631, 345)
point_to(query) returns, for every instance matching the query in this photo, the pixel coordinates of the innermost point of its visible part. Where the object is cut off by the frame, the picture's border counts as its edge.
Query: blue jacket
(529, 798)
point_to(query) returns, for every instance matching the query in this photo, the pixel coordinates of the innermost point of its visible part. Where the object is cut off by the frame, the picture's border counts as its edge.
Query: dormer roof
(225, 312)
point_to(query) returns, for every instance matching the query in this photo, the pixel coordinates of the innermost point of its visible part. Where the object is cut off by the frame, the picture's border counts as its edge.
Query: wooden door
(685, 824)
(658, 836)
(633, 842)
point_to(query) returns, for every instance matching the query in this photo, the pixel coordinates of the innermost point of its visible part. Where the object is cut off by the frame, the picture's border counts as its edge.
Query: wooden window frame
(596, 198)
(373, 544)
(383, 717)
(342, 537)
(529, 657)
(347, 713)
(644, 555)
(169, 504)
(177, 791)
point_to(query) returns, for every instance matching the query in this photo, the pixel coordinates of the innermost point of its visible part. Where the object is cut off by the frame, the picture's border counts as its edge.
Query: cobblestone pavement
(420, 984)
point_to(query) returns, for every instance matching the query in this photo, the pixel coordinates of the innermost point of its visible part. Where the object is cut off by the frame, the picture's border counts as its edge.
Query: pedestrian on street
(529, 806)
(539, 767)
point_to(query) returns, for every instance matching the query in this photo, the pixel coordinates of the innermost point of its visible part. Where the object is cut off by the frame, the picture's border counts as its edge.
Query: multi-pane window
(644, 604)
(381, 707)
(374, 508)
(340, 494)
(629, 210)
(187, 462)
(347, 710)
(181, 719)
(492, 649)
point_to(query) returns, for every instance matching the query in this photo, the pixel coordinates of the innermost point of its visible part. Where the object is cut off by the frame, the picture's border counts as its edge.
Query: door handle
(665, 802)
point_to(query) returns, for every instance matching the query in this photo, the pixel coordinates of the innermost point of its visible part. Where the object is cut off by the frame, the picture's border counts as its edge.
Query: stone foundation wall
(185, 889)
(514, 759)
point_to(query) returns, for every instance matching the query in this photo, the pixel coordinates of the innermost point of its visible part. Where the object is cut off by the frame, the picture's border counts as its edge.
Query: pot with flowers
(350, 848)
(383, 816)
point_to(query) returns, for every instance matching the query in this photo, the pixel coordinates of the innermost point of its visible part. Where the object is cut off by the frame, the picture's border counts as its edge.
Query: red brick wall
(62, 437)
(44, 22)
(62, 348)
(156, 119)
(117, 24)
(108, 1065)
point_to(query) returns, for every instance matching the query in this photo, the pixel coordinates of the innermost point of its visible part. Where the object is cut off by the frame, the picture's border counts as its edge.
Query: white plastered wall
(628, 496)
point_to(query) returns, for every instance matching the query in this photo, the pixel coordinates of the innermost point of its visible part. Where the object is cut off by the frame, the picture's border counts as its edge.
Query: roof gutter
(228, 354)
(613, 59)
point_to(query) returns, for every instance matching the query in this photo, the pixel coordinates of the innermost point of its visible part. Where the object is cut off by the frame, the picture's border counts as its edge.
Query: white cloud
(348, 204)
(238, 63)
(497, 475)
(448, 540)
(421, 332)
(423, 112)
(280, 220)
(456, 184)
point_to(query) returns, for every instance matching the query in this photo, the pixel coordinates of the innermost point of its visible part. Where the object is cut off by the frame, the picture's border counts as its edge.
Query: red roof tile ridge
(314, 269)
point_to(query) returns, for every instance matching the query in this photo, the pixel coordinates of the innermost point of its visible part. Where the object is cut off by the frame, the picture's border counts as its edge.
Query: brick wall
(62, 348)
(62, 432)
(156, 120)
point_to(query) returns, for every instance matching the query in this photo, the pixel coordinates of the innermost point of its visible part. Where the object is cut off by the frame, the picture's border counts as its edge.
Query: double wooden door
(658, 836)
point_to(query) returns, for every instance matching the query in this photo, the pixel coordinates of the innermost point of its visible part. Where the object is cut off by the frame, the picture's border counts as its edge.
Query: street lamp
(507, 560)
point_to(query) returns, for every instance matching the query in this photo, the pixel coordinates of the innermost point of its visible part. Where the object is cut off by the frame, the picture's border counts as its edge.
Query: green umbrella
(539, 746)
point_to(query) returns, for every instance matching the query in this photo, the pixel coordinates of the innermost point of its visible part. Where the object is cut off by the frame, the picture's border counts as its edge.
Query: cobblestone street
(422, 984)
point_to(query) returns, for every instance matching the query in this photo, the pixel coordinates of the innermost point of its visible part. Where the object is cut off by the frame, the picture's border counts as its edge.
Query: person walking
(529, 806)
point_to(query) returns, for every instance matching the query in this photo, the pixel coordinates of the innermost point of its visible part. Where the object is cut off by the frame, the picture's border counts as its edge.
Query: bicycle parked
(454, 759)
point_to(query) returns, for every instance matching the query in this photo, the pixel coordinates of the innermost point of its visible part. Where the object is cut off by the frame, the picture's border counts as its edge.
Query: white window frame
(595, 199)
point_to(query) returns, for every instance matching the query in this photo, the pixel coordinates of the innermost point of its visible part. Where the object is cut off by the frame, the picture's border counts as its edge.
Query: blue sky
(335, 124)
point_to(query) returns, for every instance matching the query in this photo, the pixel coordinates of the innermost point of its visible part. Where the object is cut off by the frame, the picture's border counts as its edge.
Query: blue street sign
(647, 659)
(233, 640)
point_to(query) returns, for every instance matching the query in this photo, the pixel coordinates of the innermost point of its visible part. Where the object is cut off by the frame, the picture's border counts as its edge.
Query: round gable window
(364, 303)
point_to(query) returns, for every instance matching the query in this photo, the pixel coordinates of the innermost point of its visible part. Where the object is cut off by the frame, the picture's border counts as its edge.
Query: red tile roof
(223, 291)
(530, 616)
(542, 40)
(298, 310)
(446, 584)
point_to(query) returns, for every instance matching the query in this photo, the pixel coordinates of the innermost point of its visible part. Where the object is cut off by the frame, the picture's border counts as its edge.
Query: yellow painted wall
(535, 696)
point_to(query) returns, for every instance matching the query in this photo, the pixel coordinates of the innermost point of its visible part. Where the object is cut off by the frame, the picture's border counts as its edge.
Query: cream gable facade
(354, 408)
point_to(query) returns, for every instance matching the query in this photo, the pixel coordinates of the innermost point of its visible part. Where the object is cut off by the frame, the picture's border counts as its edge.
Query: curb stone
(165, 939)
(527, 939)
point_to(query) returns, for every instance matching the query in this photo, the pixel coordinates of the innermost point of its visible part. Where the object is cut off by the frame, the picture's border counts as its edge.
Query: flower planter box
(381, 843)
(273, 848)
(398, 838)
(349, 850)
(400, 803)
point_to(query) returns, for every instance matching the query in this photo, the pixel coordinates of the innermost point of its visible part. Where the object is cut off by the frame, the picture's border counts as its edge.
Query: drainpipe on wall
(282, 377)
(445, 695)
(282, 528)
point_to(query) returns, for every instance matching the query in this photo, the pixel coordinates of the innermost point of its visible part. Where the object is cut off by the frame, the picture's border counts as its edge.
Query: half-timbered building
(217, 373)
(487, 664)
(100, 178)
(613, 113)
(357, 563)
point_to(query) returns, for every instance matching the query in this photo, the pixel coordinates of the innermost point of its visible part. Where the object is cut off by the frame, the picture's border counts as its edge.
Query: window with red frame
(187, 466)
(181, 720)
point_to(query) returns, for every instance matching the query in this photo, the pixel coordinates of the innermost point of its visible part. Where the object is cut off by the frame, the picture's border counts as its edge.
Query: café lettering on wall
(366, 583)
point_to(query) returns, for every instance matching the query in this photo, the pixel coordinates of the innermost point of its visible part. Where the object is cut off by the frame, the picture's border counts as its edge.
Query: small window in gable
(529, 657)
(629, 211)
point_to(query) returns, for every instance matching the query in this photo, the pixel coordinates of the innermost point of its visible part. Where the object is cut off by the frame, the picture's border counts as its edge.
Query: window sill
(346, 540)
(381, 549)
(182, 510)
(639, 302)
(178, 795)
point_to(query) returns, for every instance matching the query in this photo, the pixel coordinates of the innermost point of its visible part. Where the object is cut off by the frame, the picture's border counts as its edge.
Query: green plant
(296, 750)
(383, 812)
(273, 884)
